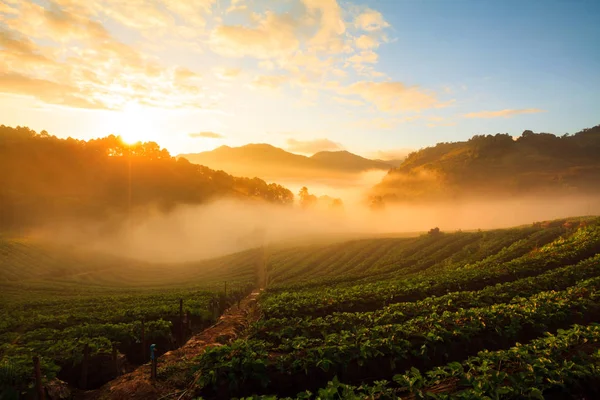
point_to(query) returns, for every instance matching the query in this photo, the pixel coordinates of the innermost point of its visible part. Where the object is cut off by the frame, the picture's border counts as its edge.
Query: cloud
(227, 74)
(7, 9)
(21, 50)
(306, 43)
(348, 102)
(236, 6)
(507, 113)
(208, 135)
(393, 96)
(94, 69)
(182, 75)
(274, 36)
(366, 42)
(269, 81)
(312, 146)
(155, 17)
(369, 57)
(330, 25)
(370, 20)
(47, 91)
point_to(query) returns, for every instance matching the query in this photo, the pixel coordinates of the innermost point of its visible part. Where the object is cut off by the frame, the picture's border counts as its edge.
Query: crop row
(580, 245)
(389, 258)
(277, 329)
(60, 331)
(376, 353)
(567, 364)
(148, 305)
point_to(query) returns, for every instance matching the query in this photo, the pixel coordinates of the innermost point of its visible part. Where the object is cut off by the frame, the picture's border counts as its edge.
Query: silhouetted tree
(434, 231)
(306, 199)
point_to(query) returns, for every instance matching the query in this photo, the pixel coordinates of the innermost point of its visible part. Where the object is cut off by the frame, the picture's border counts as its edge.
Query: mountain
(498, 165)
(54, 179)
(269, 162)
(345, 160)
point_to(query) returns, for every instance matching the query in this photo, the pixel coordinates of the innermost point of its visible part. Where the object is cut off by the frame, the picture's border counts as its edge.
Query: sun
(135, 124)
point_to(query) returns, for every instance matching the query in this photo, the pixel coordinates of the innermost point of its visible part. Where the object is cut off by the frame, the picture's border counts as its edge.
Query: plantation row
(275, 330)
(562, 365)
(376, 259)
(580, 245)
(359, 337)
(61, 332)
(376, 352)
(75, 308)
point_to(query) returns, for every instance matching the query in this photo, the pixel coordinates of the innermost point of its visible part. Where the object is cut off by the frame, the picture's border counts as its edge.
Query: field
(470, 315)
(67, 305)
(495, 314)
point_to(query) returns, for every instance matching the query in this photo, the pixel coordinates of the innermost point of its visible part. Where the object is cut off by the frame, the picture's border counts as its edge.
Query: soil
(138, 385)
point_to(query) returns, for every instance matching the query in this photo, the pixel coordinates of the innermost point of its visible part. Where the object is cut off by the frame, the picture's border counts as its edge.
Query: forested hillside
(45, 178)
(496, 165)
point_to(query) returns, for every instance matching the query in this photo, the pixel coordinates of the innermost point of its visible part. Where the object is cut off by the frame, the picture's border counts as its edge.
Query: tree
(527, 133)
(434, 231)
(306, 199)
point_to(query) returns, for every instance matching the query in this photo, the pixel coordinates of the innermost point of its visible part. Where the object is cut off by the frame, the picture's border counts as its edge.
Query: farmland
(497, 314)
(65, 305)
(508, 313)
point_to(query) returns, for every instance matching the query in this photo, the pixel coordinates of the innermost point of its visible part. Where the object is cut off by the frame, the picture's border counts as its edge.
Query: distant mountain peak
(266, 160)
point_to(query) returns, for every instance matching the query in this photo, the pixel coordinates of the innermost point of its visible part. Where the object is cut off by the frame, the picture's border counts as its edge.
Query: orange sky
(306, 75)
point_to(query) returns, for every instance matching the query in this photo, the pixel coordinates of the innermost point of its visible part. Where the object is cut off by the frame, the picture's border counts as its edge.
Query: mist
(191, 233)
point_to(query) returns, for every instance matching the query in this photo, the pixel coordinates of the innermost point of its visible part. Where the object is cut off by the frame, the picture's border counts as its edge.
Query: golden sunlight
(135, 124)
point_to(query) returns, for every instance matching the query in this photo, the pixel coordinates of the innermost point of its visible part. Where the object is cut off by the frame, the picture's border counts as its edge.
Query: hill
(357, 319)
(269, 162)
(498, 165)
(54, 179)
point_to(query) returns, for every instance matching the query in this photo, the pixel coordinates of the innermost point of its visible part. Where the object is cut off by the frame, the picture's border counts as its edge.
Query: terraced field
(64, 305)
(498, 314)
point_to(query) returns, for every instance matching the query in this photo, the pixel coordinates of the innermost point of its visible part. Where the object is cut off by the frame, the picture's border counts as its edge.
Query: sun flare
(135, 124)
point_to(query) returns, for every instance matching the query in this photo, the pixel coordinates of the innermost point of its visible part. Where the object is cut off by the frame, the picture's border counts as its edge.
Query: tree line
(497, 164)
(46, 179)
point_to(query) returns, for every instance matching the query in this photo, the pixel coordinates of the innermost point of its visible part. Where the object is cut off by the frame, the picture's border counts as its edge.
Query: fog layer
(192, 233)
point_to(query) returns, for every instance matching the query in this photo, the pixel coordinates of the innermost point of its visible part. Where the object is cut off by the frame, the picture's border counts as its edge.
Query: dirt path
(137, 384)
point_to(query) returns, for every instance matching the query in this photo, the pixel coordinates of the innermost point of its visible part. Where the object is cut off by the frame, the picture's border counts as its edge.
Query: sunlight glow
(135, 124)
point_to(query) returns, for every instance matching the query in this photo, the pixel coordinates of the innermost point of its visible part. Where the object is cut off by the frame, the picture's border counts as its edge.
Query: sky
(371, 77)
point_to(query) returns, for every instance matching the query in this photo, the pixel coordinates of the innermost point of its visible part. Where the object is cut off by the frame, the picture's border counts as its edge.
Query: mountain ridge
(268, 161)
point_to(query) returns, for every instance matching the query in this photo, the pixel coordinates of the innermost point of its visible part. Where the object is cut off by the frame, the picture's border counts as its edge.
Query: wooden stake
(39, 388)
(84, 366)
(154, 362)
